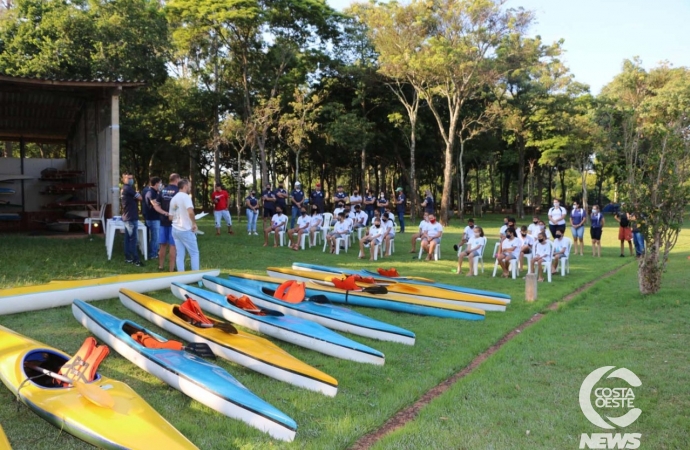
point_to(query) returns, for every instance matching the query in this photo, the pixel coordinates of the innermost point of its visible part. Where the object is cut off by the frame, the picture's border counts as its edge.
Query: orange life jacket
(190, 308)
(83, 366)
(292, 291)
(362, 279)
(246, 304)
(388, 272)
(151, 342)
(347, 284)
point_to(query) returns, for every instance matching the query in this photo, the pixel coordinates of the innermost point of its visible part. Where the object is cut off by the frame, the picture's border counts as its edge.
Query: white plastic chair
(564, 261)
(96, 218)
(437, 251)
(325, 228)
(478, 259)
(281, 236)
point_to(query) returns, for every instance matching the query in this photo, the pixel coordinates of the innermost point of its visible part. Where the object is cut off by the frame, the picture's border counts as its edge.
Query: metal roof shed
(81, 114)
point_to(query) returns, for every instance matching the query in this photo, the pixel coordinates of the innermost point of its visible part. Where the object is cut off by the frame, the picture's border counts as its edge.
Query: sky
(600, 34)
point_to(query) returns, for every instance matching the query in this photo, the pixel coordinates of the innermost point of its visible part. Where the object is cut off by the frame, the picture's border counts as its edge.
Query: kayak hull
(62, 293)
(389, 302)
(330, 316)
(294, 330)
(245, 349)
(401, 279)
(191, 375)
(427, 292)
(119, 427)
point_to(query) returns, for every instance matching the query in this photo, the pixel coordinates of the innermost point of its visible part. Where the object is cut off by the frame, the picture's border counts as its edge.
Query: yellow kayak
(130, 423)
(4, 443)
(62, 293)
(246, 349)
(416, 291)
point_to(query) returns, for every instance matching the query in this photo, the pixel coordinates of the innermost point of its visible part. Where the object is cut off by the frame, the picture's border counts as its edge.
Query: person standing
(281, 197)
(129, 199)
(382, 202)
(317, 198)
(557, 217)
(165, 238)
(252, 204)
(151, 214)
(269, 201)
(624, 231)
(578, 218)
(400, 204)
(355, 199)
(428, 203)
(221, 201)
(341, 195)
(297, 199)
(638, 238)
(369, 205)
(184, 226)
(595, 229)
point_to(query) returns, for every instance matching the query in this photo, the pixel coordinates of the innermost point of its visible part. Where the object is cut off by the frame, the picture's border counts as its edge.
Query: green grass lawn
(367, 396)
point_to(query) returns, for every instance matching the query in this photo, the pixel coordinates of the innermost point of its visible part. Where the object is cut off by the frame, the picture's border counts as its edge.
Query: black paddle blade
(318, 299)
(375, 290)
(226, 327)
(200, 349)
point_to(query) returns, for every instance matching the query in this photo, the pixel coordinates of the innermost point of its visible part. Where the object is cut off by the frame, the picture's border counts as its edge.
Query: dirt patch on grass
(408, 414)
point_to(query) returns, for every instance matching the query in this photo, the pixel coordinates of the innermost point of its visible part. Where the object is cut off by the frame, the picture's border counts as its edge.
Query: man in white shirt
(340, 230)
(533, 229)
(278, 224)
(432, 237)
(561, 249)
(302, 227)
(360, 217)
(184, 226)
(542, 254)
(388, 231)
(315, 223)
(373, 238)
(340, 207)
(420, 234)
(526, 245)
(355, 199)
(557, 217)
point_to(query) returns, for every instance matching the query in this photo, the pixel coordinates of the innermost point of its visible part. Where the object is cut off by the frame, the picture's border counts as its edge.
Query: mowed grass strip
(526, 395)
(367, 396)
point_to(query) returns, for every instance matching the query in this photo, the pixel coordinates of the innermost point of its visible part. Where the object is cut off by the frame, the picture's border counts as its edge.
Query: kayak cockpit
(46, 359)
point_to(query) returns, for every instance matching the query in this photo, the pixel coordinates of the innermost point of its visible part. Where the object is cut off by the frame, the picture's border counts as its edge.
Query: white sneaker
(249, 233)
(256, 234)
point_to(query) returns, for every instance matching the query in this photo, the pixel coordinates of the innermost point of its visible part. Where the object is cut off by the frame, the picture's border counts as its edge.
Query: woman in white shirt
(340, 230)
(475, 246)
(510, 249)
(372, 239)
(355, 199)
(542, 254)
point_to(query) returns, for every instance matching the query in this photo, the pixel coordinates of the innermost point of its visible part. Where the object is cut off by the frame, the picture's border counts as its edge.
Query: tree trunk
(550, 199)
(447, 181)
(561, 177)
(363, 164)
(264, 166)
(461, 199)
(493, 185)
(649, 272)
(253, 167)
(239, 184)
(519, 207)
(584, 189)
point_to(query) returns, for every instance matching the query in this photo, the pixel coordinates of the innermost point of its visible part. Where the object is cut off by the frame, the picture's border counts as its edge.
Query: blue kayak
(317, 309)
(194, 376)
(400, 279)
(295, 330)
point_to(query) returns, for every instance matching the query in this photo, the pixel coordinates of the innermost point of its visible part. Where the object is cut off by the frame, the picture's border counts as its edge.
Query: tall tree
(298, 125)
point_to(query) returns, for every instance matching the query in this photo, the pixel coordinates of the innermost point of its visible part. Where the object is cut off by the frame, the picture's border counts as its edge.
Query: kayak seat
(392, 272)
(149, 341)
(192, 313)
(83, 366)
(291, 291)
(347, 284)
(246, 304)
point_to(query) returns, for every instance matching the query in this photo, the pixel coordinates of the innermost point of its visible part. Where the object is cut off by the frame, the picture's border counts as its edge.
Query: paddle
(317, 299)
(200, 349)
(91, 392)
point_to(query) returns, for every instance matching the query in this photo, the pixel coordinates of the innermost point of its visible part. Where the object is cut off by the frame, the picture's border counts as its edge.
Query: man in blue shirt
(165, 238)
(281, 196)
(317, 198)
(369, 205)
(129, 199)
(269, 201)
(341, 196)
(400, 203)
(297, 202)
(578, 218)
(151, 216)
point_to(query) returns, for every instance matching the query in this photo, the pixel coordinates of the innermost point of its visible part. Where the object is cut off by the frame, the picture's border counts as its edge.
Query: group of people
(168, 212)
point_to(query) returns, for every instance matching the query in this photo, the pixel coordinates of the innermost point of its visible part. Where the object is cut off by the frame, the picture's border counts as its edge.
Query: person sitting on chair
(420, 234)
(526, 244)
(314, 223)
(432, 238)
(560, 250)
(302, 227)
(510, 249)
(340, 230)
(542, 254)
(474, 249)
(278, 223)
(359, 217)
(371, 240)
(389, 231)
